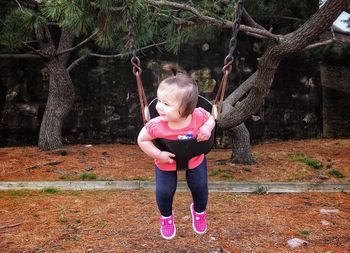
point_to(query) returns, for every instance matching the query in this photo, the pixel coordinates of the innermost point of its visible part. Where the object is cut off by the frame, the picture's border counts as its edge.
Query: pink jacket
(157, 128)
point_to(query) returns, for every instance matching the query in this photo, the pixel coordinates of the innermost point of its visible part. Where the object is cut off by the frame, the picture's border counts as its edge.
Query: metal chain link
(218, 101)
(135, 61)
(235, 30)
(136, 69)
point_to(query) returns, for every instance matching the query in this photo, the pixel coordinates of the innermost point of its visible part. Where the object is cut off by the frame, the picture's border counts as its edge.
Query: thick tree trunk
(241, 152)
(59, 103)
(61, 90)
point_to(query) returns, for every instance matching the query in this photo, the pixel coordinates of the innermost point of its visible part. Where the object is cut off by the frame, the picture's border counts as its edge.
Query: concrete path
(252, 187)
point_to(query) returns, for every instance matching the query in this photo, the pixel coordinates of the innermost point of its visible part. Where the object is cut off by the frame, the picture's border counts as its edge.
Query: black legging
(166, 182)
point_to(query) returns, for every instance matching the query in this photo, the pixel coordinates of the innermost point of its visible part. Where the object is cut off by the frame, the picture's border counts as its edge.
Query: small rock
(88, 146)
(247, 169)
(212, 238)
(325, 223)
(323, 177)
(329, 211)
(296, 242)
(88, 168)
(219, 250)
(186, 218)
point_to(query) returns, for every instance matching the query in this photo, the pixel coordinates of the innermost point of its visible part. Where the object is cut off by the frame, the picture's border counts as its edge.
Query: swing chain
(135, 61)
(136, 69)
(233, 41)
(218, 102)
(235, 30)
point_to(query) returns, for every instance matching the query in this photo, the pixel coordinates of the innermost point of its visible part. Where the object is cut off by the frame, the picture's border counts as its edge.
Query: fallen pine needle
(43, 164)
(10, 226)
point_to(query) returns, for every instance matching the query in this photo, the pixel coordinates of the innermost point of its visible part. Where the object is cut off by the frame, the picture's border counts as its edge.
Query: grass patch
(61, 218)
(36, 216)
(16, 193)
(66, 178)
(227, 174)
(74, 193)
(221, 162)
(335, 173)
(215, 172)
(51, 190)
(312, 163)
(139, 179)
(88, 176)
(304, 232)
(260, 190)
(63, 152)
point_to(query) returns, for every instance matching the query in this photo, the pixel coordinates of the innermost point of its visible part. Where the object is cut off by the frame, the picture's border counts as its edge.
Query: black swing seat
(186, 149)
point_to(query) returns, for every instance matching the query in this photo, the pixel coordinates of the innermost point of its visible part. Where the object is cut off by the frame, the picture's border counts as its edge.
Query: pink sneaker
(199, 221)
(167, 228)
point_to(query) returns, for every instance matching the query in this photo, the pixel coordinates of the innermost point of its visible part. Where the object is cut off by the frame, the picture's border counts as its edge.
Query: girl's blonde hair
(184, 82)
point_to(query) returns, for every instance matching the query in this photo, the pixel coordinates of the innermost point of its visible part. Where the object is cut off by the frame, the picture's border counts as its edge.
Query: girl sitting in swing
(178, 119)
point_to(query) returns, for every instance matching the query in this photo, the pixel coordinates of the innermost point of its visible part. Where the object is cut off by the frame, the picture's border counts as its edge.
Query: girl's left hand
(203, 134)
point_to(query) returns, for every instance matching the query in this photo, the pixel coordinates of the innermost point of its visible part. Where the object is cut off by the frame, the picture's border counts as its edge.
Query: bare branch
(211, 20)
(35, 50)
(77, 61)
(338, 30)
(241, 90)
(20, 6)
(78, 45)
(10, 225)
(20, 56)
(250, 21)
(120, 55)
(321, 44)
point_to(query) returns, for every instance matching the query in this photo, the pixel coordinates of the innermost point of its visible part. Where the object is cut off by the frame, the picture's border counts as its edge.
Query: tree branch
(250, 21)
(211, 20)
(321, 44)
(77, 61)
(233, 115)
(20, 56)
(35, 50)
(78, 45)
(20, 6)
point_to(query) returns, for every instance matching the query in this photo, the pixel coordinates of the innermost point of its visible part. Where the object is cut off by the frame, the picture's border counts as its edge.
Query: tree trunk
(241, 152)
(61, 90)
(59, 103)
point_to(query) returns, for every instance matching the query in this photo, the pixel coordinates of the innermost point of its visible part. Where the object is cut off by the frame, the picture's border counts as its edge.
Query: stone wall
(106, 108)
(336, 101)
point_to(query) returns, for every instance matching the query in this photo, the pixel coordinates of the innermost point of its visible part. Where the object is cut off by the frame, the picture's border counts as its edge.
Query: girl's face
(169, 101)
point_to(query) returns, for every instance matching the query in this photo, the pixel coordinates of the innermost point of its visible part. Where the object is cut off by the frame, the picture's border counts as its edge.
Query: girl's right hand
(165, 157)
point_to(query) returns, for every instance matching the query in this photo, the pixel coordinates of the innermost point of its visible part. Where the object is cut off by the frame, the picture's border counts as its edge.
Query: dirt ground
(279, 161)
(128, 221)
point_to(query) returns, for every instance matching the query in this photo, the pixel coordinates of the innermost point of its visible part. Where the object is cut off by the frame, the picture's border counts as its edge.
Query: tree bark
(241, 152)
(258, 85)
(61, 91)
(234, 114)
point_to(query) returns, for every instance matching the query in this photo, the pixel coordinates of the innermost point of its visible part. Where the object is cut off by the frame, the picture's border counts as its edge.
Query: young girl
(178, 118)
